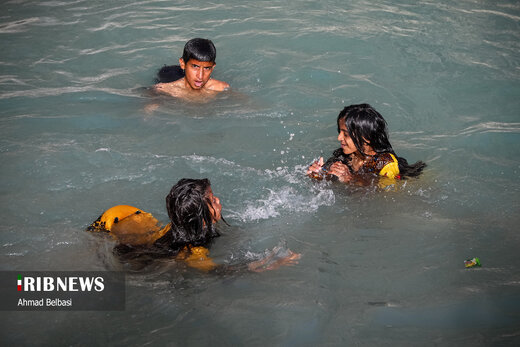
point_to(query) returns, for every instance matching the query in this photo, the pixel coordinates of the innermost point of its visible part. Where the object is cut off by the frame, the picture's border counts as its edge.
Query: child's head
(198, 62)
(199, 49)
(193, 209)
(366, 128)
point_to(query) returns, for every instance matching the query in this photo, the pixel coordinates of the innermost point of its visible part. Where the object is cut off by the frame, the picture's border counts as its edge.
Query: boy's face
(197, 73)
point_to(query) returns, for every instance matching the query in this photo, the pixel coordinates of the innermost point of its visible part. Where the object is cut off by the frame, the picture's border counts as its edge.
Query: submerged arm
(198, 258)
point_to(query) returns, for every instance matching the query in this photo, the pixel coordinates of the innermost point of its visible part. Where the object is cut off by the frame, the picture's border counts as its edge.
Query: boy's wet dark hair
(189, 211)
(367, 126)
(199, 49)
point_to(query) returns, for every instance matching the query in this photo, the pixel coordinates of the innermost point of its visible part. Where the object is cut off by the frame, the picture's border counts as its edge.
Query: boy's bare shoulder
(171, 88)
(217, 86)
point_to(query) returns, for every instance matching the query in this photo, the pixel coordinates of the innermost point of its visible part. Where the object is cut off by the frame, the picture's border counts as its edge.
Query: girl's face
(347, 145)
(215, 207)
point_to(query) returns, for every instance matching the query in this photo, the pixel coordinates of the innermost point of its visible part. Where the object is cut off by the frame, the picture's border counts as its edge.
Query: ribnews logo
(49, 284)
(64, 290)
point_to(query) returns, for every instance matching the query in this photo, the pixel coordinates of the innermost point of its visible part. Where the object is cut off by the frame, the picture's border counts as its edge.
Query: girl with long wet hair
(194, 212)
(365, 150)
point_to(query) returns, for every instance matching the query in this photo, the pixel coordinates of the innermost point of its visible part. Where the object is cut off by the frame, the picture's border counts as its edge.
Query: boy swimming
(198, 63)
(365, 151)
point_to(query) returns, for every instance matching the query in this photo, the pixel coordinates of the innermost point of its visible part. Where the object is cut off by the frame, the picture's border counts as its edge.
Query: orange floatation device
(129, 225)
(132, 226)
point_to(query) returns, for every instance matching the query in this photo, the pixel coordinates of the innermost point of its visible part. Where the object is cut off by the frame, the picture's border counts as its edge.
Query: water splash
(286, 199)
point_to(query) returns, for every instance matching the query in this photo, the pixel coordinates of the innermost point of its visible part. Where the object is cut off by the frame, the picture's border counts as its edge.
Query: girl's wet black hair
(188, 207)
(367, 126)
(199, 49)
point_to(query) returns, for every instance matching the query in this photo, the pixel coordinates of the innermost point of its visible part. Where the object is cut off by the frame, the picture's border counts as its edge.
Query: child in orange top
(194, 212)
(365, 150)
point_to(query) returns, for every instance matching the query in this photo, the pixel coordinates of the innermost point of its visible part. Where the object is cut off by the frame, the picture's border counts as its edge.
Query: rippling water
(377, 268)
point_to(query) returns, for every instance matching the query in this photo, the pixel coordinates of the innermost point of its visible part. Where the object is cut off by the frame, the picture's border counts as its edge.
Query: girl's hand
(273, 262)
(316, 166)
(341, 170)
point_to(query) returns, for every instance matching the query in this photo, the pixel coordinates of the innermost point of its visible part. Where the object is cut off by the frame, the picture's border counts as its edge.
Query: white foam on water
(284, 200)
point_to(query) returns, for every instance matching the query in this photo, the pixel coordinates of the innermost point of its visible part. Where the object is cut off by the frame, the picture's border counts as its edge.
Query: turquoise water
(377, 268)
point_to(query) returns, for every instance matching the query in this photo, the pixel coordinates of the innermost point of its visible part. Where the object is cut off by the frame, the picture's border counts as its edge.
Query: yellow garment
(111, 216)
(134, 227)
(197, 257)
(130, 226)
(390, 170)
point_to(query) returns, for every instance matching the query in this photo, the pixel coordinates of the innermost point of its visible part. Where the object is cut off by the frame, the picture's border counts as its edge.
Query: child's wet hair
(199, 49)
(366, 126)
(189, 211)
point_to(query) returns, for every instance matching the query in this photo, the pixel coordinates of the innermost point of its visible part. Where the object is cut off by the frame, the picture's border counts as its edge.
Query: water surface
(377, 268)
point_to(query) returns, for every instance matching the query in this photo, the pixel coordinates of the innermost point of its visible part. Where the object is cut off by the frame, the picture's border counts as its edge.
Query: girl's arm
(341, 171)
(315, 168)
(273, 261)
(198, 258)
(344, 175)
